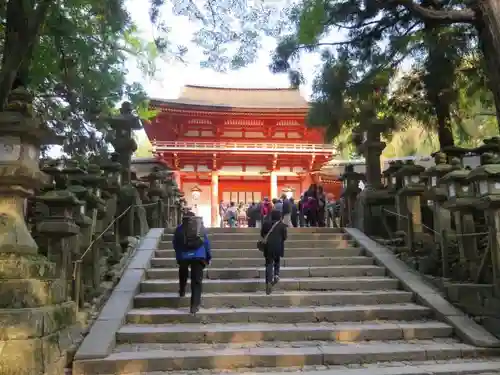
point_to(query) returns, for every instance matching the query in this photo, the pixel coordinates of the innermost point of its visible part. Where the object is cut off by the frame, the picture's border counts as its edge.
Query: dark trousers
(312, 218)
(272, 268)
(321, 217)
(295, 220)
(197, 267)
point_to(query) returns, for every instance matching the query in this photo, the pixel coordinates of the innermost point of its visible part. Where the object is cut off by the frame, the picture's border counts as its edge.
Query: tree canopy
(444, 42)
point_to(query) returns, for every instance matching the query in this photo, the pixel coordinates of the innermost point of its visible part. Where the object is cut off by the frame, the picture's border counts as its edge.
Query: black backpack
(192, 231)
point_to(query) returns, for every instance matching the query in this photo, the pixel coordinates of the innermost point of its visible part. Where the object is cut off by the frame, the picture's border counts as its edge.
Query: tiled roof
(225, 97)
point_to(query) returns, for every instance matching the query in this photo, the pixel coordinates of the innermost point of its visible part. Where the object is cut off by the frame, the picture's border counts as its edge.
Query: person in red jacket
(265, 208)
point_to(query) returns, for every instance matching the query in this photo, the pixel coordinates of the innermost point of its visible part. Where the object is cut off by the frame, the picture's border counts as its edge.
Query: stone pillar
(274, 185)
(176, 176)
(215, 198)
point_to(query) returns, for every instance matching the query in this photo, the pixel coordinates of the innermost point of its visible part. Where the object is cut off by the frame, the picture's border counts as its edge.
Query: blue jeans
(272, 268)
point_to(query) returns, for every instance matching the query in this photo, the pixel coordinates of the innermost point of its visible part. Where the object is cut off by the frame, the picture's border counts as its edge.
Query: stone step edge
(374, 351)
(270, 327)
(285, 293)
(357, 266)
(473, 367)
(305, 309)
(347, 279)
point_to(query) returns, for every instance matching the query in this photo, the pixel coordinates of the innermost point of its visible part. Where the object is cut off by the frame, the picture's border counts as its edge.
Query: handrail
(76, 274)
(243, 145)
(106, 229)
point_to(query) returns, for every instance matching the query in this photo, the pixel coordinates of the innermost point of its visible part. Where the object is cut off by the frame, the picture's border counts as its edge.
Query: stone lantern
(58, 225)
(486, 180)
(462, 202)
(123, 142)
(436, 193)
(408, 202)
(156, 194)
(350, 182)
(391, 181)
(20, 138)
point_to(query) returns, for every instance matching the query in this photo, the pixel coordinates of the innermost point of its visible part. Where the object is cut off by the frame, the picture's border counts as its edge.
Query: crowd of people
(313, 209)
(273, 217)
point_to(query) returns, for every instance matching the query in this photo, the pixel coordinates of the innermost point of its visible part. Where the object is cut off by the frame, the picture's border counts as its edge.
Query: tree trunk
(445, 132)
(21, 33)
(488, 27)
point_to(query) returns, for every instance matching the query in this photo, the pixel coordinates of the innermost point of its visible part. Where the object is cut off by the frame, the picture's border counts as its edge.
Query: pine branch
(449, 16)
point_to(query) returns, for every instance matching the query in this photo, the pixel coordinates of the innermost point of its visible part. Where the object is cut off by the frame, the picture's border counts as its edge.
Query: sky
(172, 76)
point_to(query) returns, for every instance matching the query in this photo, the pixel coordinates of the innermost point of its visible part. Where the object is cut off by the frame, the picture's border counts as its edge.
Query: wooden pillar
(274, 185)
(215, 199)
(305, 183)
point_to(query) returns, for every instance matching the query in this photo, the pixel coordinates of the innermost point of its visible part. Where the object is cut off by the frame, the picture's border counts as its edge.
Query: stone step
(259, 261)
(286, 272)
(252, 244)
(142, 358)
(257, 230)
(253, 252)
(235, 332)
(465, 366)
(277, 299)
(257, 285)
(254, 236)
(303, 314)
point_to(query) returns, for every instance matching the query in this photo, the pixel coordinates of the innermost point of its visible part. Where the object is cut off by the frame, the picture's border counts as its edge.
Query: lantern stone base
(368, 210)
(36, 326)
(14, 235)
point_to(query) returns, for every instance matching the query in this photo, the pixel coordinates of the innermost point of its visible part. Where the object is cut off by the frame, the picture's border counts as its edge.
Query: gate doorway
(241, 196)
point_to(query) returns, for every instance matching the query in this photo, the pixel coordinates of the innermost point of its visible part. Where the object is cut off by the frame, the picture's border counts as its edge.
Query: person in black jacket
(275, 248)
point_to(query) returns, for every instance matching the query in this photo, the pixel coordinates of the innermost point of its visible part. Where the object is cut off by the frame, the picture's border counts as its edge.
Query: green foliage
(378, 38)
(76, 65)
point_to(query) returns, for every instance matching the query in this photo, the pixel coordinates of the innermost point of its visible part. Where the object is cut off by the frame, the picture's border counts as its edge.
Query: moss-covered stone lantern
(392, 182)
(409, 196)
(486, 179)
(350, 181)
(21, 135)
(462, 202)
(436, 192)
(58, 225)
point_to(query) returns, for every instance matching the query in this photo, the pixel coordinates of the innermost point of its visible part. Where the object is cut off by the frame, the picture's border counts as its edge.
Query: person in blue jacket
(197, 259)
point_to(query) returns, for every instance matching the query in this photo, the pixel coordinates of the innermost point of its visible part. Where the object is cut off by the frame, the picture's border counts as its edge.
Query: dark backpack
(192, 232)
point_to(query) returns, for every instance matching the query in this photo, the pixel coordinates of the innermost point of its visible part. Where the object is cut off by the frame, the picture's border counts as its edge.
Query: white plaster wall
(256, 168)
(230, 168)
(204, 206)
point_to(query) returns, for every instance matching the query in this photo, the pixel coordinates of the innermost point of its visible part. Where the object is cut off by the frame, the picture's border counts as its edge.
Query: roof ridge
(243, 88)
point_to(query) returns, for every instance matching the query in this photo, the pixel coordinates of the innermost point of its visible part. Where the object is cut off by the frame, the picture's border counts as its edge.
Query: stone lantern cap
(394, 166)
(126, 120)
(110, 166)
(441, 167)
(409, 169)
(59, 198)
(18, 119)
(489, 169)
(489, 145)
(93, 177)
(455, 151)
(71, 167)
(458, 175)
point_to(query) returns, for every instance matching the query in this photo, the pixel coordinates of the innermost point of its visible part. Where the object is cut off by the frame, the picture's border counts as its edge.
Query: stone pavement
(344, 305)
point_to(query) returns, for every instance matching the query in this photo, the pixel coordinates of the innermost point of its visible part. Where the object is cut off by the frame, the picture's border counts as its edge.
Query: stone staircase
(334, 309)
